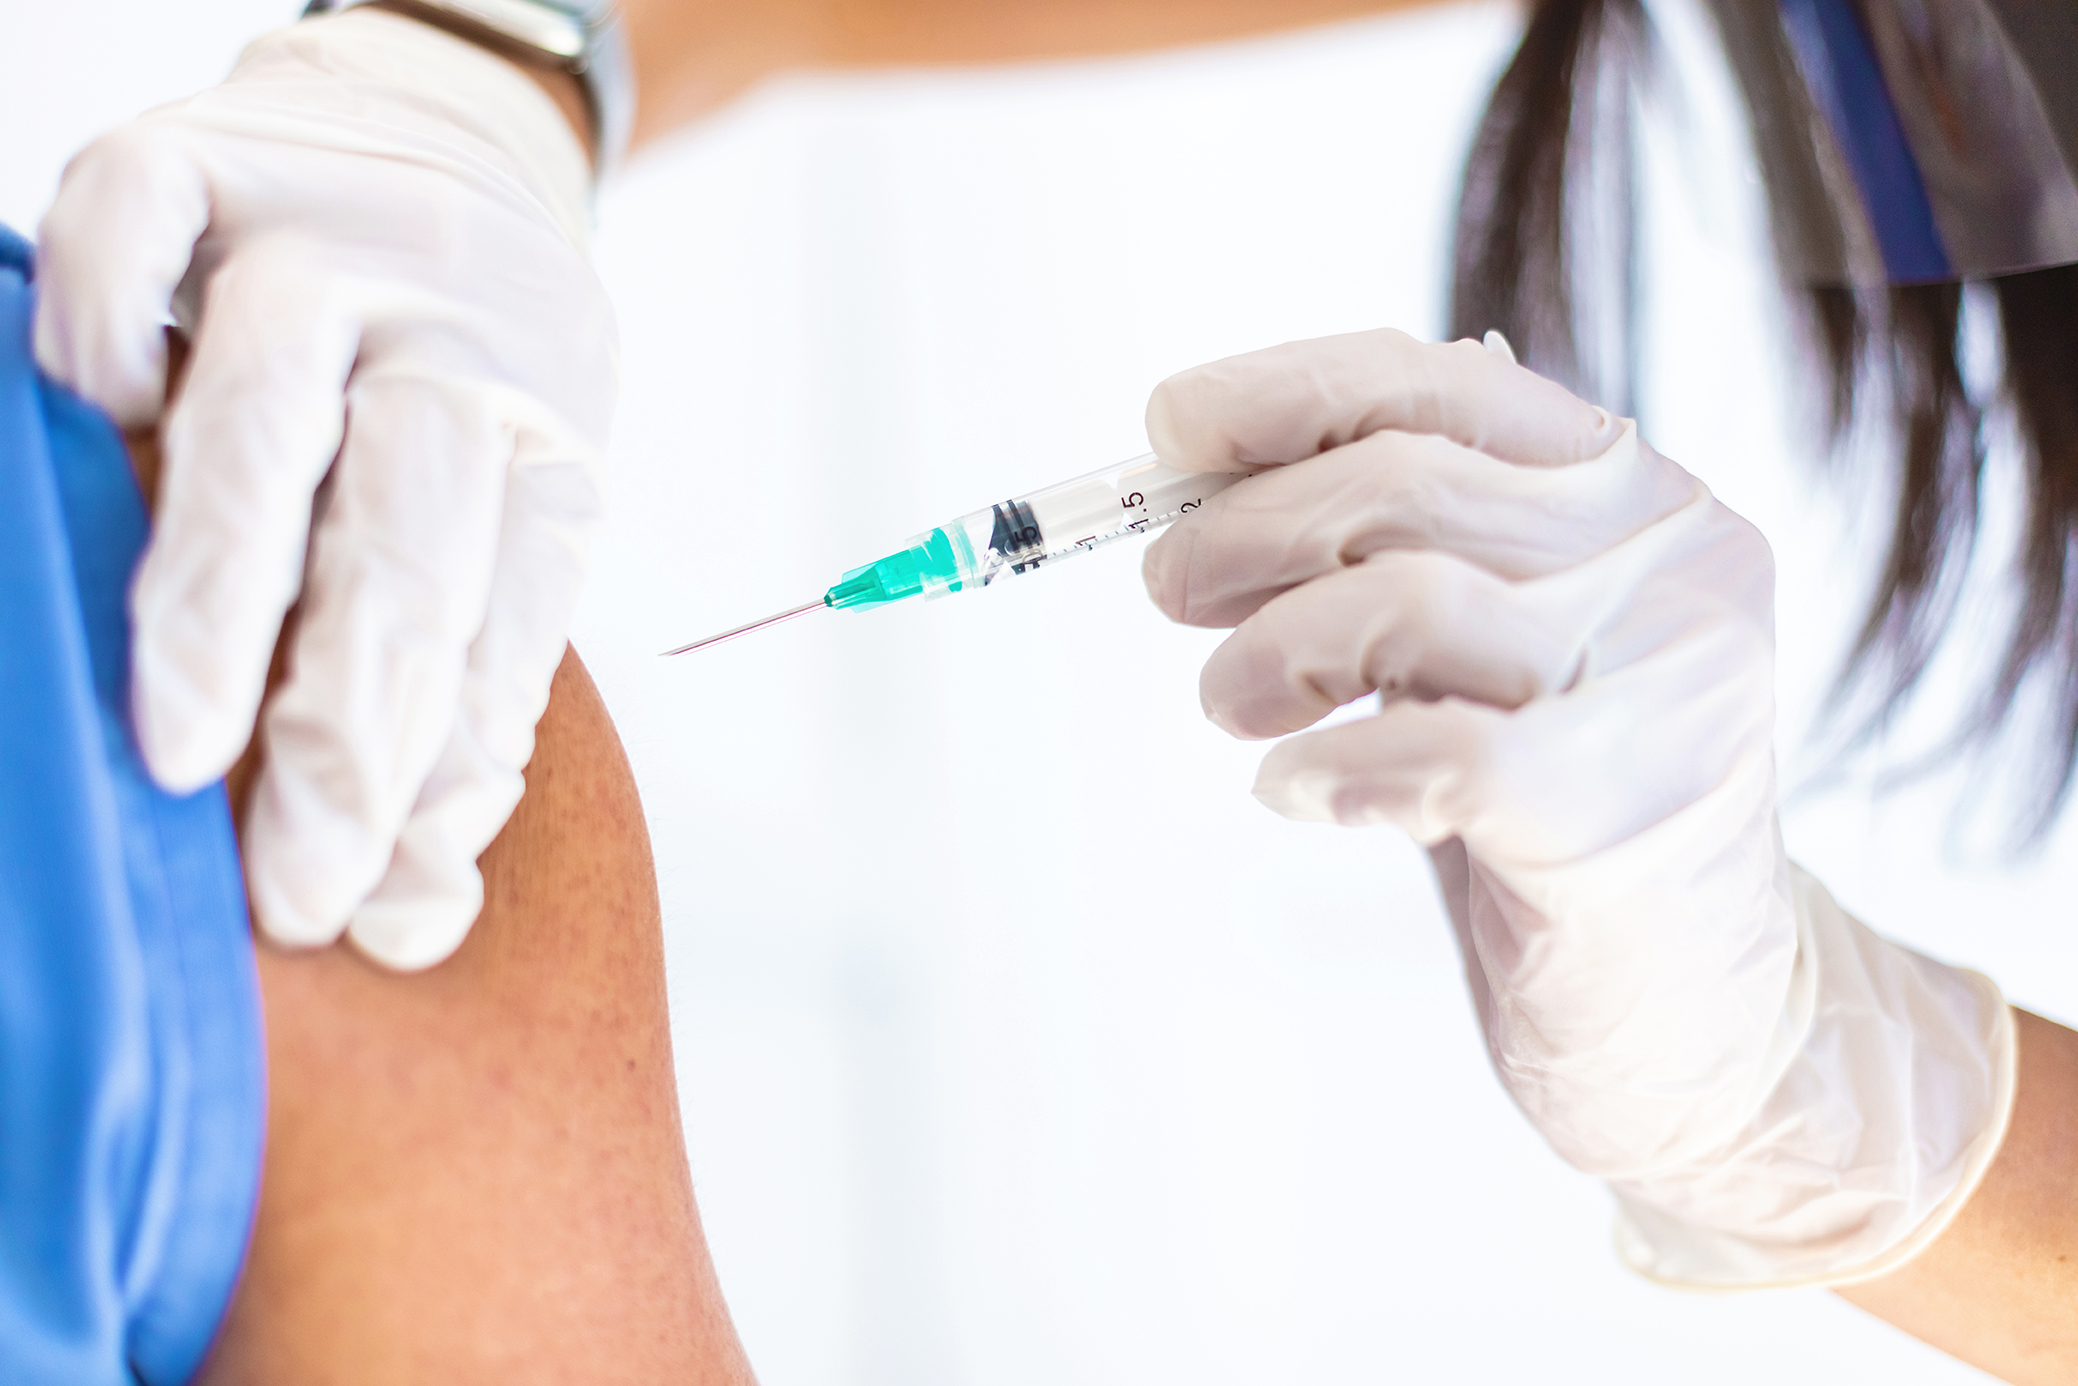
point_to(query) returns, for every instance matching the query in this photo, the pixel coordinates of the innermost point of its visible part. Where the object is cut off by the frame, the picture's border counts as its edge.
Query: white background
(1017, 1044)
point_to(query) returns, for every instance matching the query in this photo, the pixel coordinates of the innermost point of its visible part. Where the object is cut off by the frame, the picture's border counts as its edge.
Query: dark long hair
(1528, 184)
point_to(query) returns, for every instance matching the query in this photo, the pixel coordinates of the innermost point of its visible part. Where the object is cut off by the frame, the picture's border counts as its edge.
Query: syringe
(1016, 536)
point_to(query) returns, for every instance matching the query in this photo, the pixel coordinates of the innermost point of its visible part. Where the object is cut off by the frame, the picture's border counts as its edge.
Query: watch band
(582, 37)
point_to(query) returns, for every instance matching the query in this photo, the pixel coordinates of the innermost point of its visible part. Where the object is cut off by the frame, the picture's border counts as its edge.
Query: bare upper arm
(477, 1173)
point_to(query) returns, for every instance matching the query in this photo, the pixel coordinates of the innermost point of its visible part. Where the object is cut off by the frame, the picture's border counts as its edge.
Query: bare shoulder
(477, 1172)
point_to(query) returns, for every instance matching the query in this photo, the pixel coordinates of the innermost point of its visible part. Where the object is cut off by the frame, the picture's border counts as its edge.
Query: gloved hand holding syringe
(1016, 536)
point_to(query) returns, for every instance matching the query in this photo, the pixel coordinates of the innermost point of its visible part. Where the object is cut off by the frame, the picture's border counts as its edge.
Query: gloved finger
(1417, 625)
(1269, 533)
(1422, 767)
(432, 891)
(115, 244)
(398, 583)
(257, 424)
(1549, 782)
(1291, 402)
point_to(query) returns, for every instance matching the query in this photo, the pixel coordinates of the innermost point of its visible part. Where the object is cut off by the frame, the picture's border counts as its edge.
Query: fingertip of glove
(428, 900)
(415, 934)
(1302, 793)
(1165, 434)
(281, 922)
(1247, 703)
(1188, 420)
(1161, 570)
(180, 776)
(295, 902)
(180, 754)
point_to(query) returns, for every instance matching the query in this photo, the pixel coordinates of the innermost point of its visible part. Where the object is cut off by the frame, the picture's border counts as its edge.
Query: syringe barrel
(1027, 532)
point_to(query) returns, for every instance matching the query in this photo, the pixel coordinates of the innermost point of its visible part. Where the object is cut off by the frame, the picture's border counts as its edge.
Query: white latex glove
(1574, 643)
(375, 233)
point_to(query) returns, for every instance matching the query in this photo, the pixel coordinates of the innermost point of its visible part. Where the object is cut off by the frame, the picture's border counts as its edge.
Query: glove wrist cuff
(1874, 1137)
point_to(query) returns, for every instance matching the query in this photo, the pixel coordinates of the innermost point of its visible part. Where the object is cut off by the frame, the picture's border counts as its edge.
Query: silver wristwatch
(582, 37)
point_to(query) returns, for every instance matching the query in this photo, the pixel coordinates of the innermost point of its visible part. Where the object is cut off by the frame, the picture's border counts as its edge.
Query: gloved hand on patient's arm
(375, 234)
(1574, 645)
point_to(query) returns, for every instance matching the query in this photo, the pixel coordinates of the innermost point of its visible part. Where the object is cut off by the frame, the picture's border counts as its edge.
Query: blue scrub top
(132, 1082)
